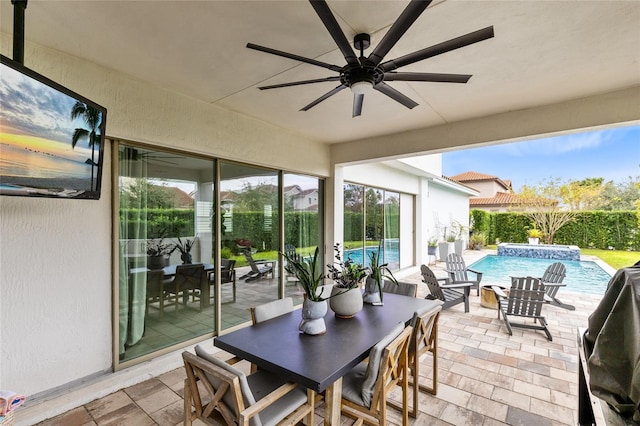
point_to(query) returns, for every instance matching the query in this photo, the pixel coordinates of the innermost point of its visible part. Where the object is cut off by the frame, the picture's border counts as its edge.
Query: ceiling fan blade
(329, 21)
(298, 83)
(446, 46)
(395, 95)
(335, 68)
(402, 24)
(357, 104)
(323, 97)
(426, 76)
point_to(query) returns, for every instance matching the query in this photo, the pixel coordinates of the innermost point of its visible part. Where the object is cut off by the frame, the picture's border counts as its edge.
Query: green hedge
(589, 229)
(171, 222)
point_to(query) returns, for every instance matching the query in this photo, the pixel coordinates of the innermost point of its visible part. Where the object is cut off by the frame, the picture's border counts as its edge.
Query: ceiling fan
(361, 74)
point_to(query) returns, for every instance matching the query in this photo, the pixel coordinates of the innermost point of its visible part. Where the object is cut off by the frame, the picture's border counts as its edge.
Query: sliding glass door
(166, 250)
(174, 210)
(250, 234)
(371, 220)
(303, 207)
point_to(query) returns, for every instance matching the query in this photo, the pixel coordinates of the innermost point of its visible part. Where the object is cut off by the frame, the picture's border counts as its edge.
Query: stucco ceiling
(543, 52)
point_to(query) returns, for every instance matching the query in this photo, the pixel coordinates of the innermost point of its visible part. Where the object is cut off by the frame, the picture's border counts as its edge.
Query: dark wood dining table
(320, 362)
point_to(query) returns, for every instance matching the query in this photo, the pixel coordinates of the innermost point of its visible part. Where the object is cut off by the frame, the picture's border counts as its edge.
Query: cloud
(558, 145)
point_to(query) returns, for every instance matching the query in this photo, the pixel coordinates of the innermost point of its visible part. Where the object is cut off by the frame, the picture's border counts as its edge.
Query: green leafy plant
(534, 233)
(433, 242)
(157, 247)
(308, 273)
(451, 238)
(346, 274)
(477, 240)
(378, 271)
(184, 247)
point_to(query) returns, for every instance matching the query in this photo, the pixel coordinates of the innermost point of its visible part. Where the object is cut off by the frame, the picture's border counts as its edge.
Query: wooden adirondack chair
(552, 279)
(450, 294)
(458, 272)
(525, 300)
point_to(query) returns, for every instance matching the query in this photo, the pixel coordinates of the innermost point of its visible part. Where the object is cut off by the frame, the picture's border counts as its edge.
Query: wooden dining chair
(275, 308)
(405, 289)
(155, 290)
(424, 339)
(189, 280)
(366, 387)
(218, 393)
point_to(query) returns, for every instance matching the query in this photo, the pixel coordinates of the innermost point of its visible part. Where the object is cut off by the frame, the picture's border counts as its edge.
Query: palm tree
(92, 118)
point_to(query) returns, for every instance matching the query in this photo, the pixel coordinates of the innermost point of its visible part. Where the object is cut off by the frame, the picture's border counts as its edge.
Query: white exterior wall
(446, 207)
(55, 255)
(487, 188)
(407, 230)
(422, 201)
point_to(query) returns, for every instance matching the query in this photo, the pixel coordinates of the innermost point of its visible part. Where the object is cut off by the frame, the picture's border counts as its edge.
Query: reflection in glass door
(166, 251)
(354, 221)
(371, 218)
(391, 246)
(249, 200)
(303, 220)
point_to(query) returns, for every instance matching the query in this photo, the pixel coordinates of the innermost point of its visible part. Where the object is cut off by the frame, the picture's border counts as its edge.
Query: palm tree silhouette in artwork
(92, 119)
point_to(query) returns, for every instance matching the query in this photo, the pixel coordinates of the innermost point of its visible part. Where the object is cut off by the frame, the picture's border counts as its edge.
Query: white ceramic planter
(347, 304)
(313, 317)
(371, 293)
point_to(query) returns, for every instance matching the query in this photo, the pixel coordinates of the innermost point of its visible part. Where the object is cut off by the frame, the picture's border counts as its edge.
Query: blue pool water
(582, 276)
(391, 256)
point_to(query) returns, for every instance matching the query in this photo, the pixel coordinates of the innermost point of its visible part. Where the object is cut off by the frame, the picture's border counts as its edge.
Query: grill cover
(612, 343)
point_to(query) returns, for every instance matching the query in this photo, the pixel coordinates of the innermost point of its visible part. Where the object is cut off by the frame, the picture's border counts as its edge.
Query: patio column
(422, 222)
(334, 211)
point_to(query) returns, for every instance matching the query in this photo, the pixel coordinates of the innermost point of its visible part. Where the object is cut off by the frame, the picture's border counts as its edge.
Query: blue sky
(613, 154)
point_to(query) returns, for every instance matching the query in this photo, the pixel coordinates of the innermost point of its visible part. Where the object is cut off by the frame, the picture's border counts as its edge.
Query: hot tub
(539, 251)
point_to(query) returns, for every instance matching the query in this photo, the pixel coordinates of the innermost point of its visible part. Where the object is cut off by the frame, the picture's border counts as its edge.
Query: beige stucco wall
(55, 255)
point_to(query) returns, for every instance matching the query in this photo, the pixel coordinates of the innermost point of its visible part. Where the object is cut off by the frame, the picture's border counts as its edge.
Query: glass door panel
(249, 236)
(374, 220)
(354, 222)
(303, 221)
(166, 251)
(391, 246)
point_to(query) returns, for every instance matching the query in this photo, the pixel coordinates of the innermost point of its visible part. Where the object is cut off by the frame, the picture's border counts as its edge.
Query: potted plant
(460, 238)
(534, 235)
(310, 278)
(157, 253)
(373, 293)
(447, 246)
(185, 249)
(432, 246)
(477, 240)
(346, 299)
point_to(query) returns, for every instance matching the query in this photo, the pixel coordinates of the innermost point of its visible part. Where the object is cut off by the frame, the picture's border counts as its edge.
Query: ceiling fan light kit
(361, 87)
(364, 74)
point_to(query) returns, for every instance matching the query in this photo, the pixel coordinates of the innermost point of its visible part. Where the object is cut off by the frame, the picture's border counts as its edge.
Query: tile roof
(471, 176)
(500, 199)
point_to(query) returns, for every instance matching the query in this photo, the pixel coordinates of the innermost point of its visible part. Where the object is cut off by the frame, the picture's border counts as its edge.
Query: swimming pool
(391, 256)
(582, 276)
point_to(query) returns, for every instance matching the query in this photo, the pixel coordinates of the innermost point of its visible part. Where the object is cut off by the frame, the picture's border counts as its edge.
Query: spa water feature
(539, 251)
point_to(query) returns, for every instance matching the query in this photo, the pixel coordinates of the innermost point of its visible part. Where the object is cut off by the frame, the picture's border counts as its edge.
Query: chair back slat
(526, 296)
(430, 280)
(392, 367)
(405, 289)
(189, 276)
(554, 274)
(199, 371)
(455, 265)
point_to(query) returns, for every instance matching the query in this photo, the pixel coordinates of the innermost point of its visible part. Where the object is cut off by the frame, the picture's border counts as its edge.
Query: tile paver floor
(486, 377)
